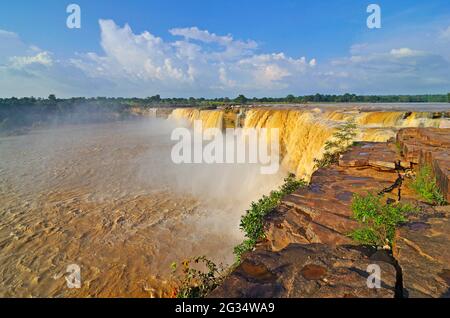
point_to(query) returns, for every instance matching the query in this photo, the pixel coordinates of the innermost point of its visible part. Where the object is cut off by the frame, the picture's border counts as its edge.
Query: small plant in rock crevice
(378, 220)
(425, 185)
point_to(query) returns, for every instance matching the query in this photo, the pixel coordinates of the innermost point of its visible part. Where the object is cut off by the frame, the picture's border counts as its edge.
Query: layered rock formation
(422, 250)
(429, 147)
(307, 251)
(309, 270)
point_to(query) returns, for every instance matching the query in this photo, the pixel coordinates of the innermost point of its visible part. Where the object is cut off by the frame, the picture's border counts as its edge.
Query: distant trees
(290, 98)
(241, 99)
(157, 100)
(153, 99)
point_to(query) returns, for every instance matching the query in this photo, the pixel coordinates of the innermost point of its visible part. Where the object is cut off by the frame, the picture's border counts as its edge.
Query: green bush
(252, 222)
(425, 185)
(341, 140)
(378, 220)
(197, 283)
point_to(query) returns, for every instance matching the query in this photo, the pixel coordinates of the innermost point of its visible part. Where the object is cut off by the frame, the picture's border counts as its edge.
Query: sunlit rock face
(421, 250)
(429, 147)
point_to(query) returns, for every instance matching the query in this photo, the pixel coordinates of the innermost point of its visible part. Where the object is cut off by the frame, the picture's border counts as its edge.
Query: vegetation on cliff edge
(197, 283)
(252, 223)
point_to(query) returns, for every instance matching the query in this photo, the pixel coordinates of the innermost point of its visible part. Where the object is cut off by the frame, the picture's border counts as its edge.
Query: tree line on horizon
(156, 100)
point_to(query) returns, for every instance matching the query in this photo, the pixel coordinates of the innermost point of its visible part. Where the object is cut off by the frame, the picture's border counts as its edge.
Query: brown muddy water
(108, 198)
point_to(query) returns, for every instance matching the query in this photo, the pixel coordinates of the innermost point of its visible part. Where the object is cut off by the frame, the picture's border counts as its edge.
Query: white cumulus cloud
(42, 58)
(187, 63)
(195, 62)
(405, 52)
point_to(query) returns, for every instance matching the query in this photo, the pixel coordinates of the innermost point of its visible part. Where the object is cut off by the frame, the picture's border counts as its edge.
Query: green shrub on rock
(252, 222)
(197, 283)
(378, 220)
(425, 185)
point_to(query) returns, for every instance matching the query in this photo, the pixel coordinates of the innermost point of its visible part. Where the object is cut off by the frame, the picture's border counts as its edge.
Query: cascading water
(303, 133)
(209, 118)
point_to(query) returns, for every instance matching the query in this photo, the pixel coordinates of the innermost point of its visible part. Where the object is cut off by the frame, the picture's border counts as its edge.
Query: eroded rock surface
(377, 155)
(309, 271)
(430, 146)
(422, 250)
(321, 213)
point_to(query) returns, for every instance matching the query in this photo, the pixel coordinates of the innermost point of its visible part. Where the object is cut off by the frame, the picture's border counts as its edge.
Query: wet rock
(308, 271)
(422, 250)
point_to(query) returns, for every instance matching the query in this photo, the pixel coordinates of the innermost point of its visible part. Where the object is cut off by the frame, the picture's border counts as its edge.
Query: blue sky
(223, 48)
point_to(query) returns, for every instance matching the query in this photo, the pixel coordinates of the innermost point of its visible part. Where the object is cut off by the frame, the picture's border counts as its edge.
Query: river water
(108, 198)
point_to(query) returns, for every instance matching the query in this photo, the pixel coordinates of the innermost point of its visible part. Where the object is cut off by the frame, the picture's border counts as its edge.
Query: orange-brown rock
(422, 250)
(309, 271)
(307, 251)
(429, 146)
(321, 213)
(378, 155)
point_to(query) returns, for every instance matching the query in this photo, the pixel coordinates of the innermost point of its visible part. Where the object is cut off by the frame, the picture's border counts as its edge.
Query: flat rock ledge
(307, 251)
(311, 270)
(430, 146)
(422, 249)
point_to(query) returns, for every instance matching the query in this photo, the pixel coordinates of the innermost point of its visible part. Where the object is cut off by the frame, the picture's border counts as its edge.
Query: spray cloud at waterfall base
(235, 146)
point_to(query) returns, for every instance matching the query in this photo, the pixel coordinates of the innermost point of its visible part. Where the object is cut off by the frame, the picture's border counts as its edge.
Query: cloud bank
(197, 62)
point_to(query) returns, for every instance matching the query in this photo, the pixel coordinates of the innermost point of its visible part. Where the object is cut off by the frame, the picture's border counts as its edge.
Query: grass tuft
(425, 185)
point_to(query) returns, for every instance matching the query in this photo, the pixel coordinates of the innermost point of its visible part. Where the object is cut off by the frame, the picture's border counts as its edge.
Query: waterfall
(303, 133)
